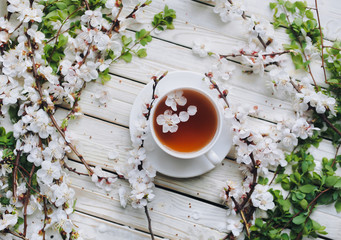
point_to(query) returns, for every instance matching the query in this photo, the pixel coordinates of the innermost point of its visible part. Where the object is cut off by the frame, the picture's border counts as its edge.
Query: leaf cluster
(304, 189)
(164, 19)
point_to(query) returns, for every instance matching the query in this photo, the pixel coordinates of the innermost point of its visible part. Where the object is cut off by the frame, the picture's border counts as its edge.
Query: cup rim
(194, 154)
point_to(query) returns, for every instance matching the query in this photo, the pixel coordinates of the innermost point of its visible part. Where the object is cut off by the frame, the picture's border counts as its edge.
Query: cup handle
(213, 157)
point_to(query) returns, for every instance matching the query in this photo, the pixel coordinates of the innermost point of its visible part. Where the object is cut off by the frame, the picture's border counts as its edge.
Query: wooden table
(183, 208)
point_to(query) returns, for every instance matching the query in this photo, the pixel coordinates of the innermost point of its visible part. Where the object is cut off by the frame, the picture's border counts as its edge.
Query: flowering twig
(156, 81)
(255, 54)
(215, 86)
(324, 117)
(53, 120)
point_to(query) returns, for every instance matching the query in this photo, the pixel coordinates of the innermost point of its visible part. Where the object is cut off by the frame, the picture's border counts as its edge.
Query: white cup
(207, 149)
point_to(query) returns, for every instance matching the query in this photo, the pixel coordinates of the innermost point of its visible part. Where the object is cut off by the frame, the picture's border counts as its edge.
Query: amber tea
(188, 120)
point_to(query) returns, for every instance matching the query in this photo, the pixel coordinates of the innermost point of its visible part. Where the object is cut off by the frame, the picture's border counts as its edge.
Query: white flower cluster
(260, 28)
(138, 169)
(229, 10)
(306, 98)
(170, 120)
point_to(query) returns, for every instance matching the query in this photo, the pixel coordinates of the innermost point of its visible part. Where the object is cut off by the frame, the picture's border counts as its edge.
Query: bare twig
(330, 124)
(302, 50)
(149, 223)
(74, 170)
(261, 41)
(36, 191)
(15, 173)
(336, 153)
(242, 215)
(27, 199)
(16, 234)
(45, 217)
(318, 19)
(339, 49)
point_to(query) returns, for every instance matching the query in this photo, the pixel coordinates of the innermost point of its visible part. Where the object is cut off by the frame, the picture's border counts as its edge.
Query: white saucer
(163, 162)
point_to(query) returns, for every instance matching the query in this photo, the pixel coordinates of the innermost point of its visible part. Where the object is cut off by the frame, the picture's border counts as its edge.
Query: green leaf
(285, 204)
(338, 184)
(338, 205)
(142, 53)
(263, 181)
(13, 113)
(127, 56)
(333, 81)
(331, 180)
(304, 203)
(126, 40)
(61, 5)
(19, 222)
(297, 60)
(259, 222)
(298, 220)
(301, 5)
(308, 188)
(298, 21)
(62, 41)
(105, 76)
(273, 5)
(309, 14)
(285, 236)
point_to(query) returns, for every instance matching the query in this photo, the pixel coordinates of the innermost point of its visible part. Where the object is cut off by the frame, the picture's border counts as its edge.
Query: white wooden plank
(92, 228)
(197, 21)
(174, 216)
(168, 205)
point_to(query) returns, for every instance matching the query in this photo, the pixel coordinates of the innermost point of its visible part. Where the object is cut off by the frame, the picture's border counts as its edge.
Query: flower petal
(192, 110)
(184, 116)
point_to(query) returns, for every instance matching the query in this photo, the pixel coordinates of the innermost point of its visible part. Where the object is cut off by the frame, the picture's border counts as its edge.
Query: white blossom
(175, 98)
(262, 198)
(8, 220)
(49, 171)
(169, 121)
(200, 48)
(103, 96)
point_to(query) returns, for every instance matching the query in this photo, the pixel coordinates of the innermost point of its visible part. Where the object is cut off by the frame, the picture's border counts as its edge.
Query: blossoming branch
(50, 50)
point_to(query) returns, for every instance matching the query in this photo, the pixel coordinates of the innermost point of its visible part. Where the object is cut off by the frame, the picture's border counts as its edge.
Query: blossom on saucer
(174, 98)
(168, 121)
